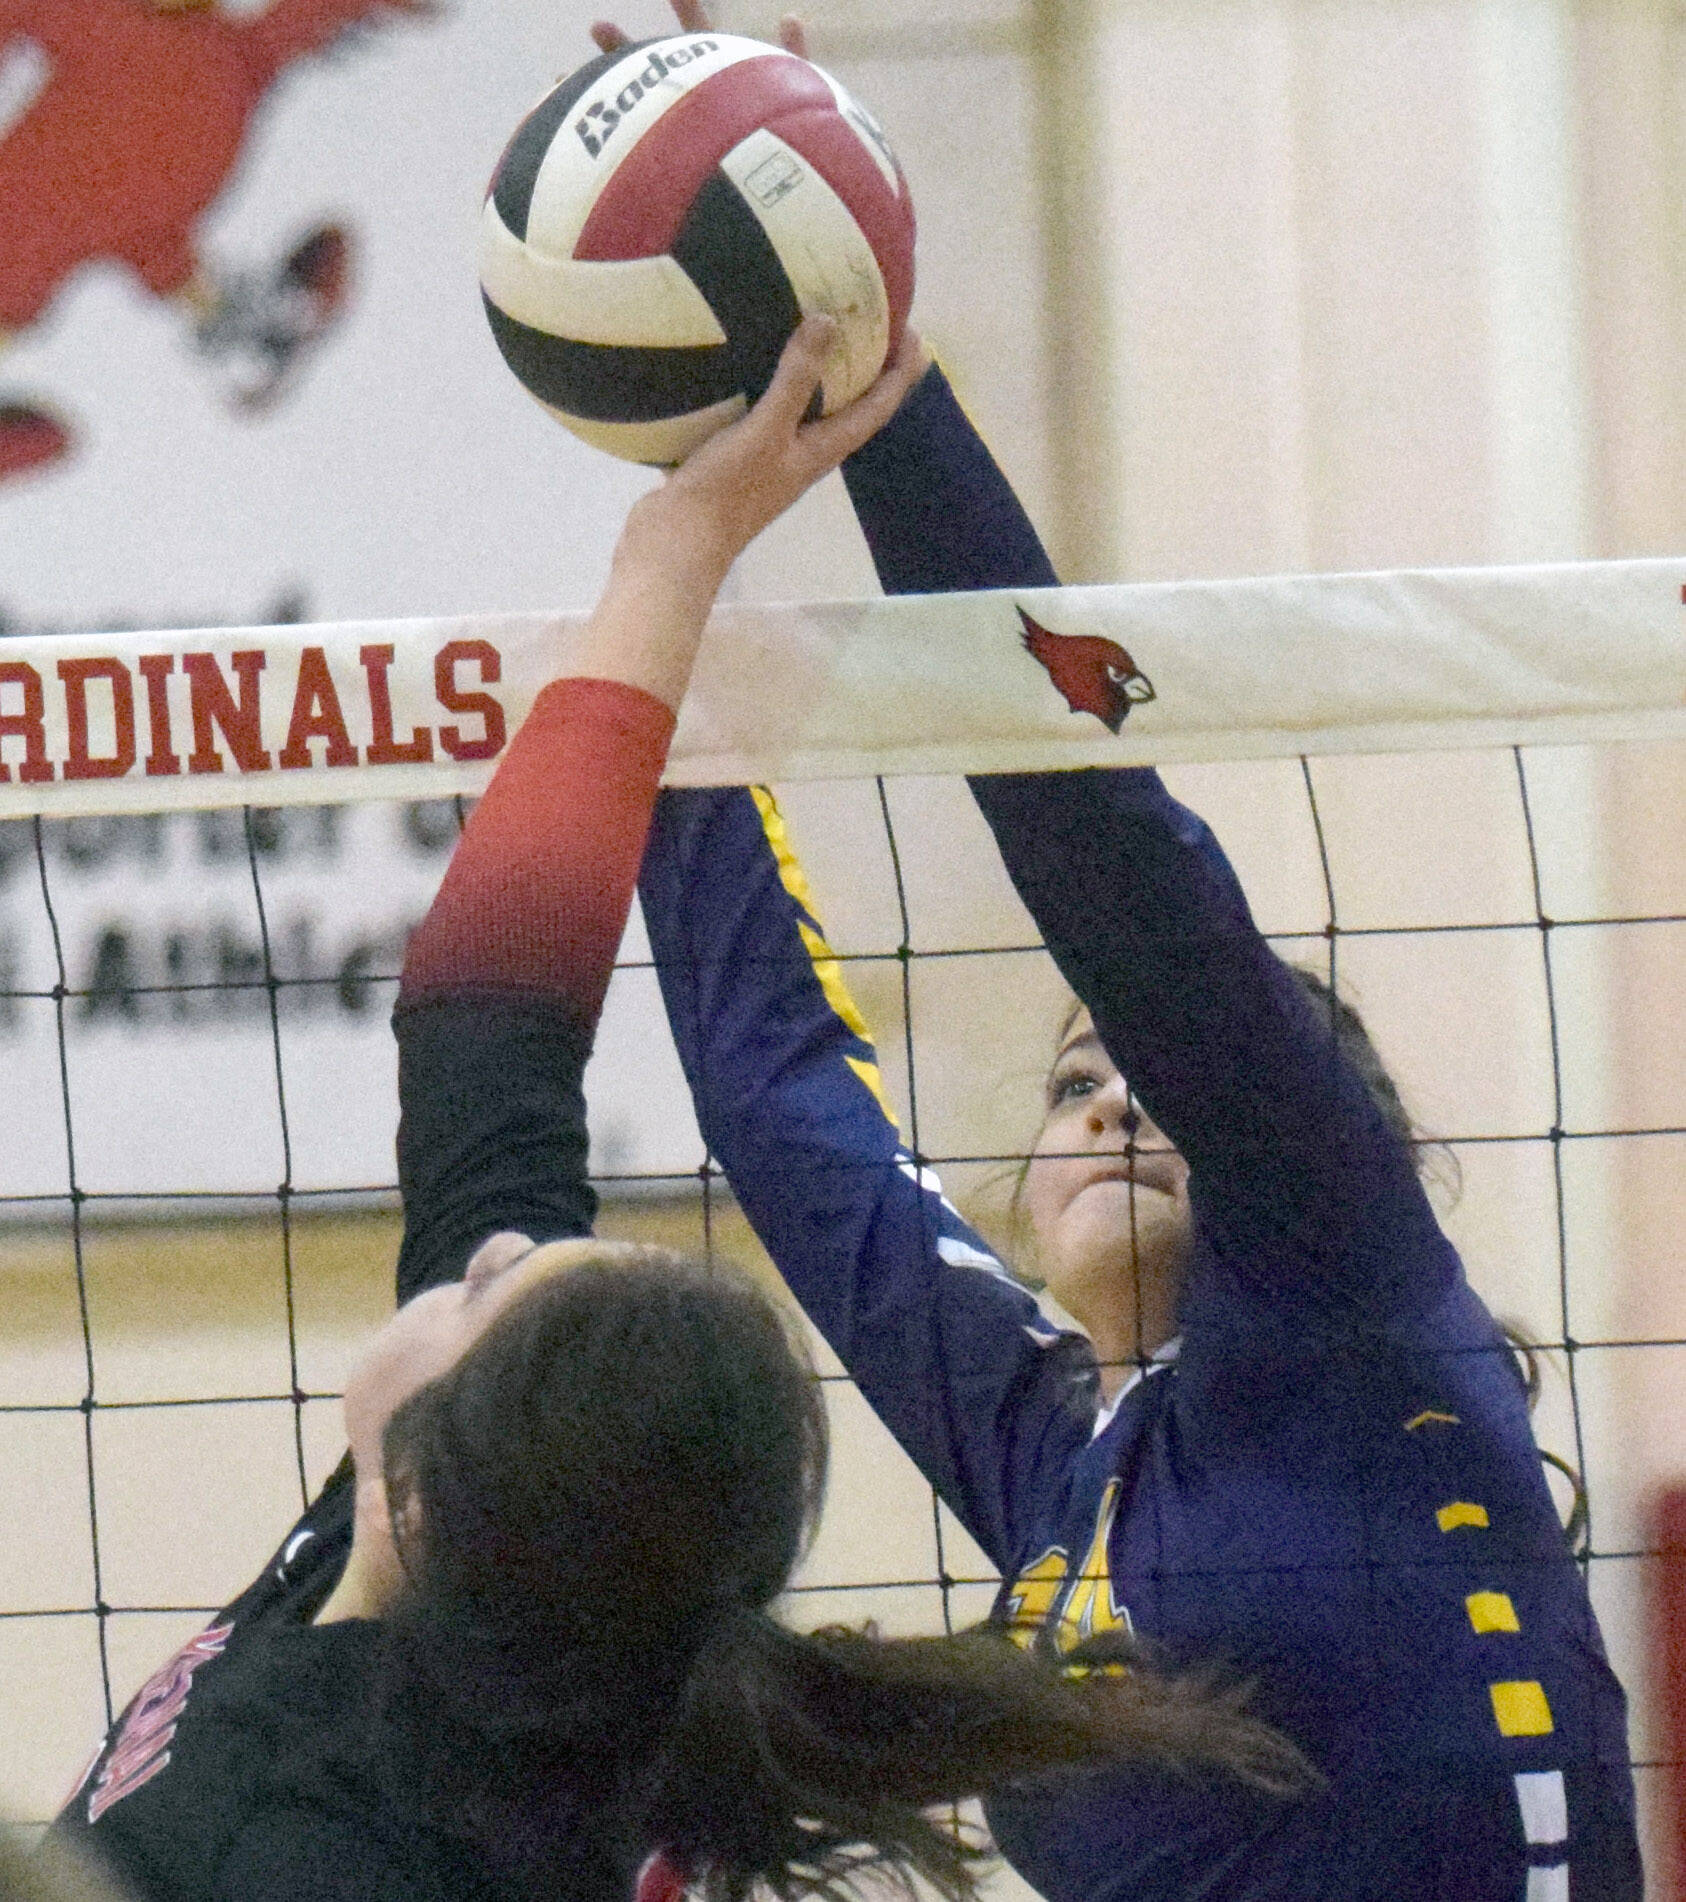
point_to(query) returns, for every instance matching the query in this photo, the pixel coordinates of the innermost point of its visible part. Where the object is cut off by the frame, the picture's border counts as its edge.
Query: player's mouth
(1153, 1170)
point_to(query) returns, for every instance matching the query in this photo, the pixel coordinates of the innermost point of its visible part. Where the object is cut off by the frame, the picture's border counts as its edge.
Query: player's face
(1107, 1199)
(430, 1334)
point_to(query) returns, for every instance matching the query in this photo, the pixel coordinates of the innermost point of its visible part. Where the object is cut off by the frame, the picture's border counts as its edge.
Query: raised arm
(506, 975)
(989, 1401)
(953, 1356)
(504, 979)
(1293, 1168)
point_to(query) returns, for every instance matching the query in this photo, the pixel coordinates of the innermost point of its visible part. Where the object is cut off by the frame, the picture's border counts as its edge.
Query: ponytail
(799, 1761)
(594, 1508)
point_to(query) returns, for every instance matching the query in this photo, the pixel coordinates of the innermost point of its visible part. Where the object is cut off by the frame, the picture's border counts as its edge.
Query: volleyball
(663, 219)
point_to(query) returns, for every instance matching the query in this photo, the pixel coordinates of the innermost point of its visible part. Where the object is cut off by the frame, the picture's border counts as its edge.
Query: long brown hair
(595, 1509)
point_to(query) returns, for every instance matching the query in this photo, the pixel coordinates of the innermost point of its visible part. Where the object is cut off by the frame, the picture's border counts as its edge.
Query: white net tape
(916, 684)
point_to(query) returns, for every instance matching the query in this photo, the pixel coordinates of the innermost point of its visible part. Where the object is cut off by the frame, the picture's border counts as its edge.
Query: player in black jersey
(520, 1644)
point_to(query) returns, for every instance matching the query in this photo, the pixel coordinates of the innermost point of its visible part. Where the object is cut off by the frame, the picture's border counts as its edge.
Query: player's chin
(1110, 1236)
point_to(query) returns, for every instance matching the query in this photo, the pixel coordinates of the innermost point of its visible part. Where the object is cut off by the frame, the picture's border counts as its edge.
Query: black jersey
(252, 1764)
(242, 1766)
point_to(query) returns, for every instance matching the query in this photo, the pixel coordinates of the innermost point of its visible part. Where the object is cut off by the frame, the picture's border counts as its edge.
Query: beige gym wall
(1232, 286)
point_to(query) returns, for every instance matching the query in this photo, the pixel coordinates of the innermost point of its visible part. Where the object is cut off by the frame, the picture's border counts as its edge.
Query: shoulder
(306, 1565)
(315, 1817)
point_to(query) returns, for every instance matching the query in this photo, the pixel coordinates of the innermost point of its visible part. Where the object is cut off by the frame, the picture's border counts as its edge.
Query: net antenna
(1434, 786)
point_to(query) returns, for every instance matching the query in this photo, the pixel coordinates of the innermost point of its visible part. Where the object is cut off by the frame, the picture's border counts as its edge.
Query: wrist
(671, 542)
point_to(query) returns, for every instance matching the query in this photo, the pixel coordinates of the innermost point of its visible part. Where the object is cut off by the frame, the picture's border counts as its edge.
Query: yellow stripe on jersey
(827, 971)
(1461, 1512)
(1428, 1417)
(1520, 1709)
(1090, 1608)
(1034, 1593)
(1492, 1611)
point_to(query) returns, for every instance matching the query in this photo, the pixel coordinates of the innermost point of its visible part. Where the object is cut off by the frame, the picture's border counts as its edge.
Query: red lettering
(76, 674)
(113, 1788)
(27, 725)
(316, 716)
(146, 1742)
(454, 700)
(143, 1745)
(384, 750)
(214, 706)
(161, 762)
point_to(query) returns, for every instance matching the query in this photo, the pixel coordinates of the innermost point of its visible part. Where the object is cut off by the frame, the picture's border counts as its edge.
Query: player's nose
(1110, 1109)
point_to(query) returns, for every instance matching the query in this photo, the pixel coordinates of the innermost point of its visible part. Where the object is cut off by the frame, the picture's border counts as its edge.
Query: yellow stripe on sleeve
(1429, 1417)
(827, 971)
(1520, 1708)
(1461, 1512)
(1492, 1611)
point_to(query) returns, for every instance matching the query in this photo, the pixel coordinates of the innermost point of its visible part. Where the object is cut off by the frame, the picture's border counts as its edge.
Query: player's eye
(1068, 1086)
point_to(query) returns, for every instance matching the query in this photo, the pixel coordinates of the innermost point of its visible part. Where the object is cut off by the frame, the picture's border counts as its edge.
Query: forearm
(667, 569)
(504, 980)
(536, 896)
(934, 506)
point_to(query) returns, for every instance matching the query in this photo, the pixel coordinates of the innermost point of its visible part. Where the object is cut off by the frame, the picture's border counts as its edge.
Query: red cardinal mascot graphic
(120, 123)
(1095, 675)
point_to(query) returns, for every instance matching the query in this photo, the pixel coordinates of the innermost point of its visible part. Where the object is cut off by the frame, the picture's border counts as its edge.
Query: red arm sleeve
(537, 895)
(506, 975)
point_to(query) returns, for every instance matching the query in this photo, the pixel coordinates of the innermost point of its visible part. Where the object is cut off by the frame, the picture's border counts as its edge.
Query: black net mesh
(98, 1437)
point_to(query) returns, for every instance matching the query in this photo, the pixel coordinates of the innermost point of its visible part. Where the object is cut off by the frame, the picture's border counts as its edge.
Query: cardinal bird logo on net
(1094, 674)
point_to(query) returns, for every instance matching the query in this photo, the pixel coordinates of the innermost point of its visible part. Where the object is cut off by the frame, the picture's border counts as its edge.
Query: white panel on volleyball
(572, 176)
(667, 440)
(825, 255)
(619, 301)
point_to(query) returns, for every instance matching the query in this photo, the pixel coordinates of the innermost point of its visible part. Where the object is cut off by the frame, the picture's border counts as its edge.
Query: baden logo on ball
(665, 217)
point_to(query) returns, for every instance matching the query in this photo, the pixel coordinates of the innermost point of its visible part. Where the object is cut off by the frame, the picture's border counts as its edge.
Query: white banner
(1050, 678)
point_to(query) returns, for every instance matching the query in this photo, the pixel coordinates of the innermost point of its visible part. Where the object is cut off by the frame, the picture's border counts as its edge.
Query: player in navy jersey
(519, 1646)
(1320, 1468)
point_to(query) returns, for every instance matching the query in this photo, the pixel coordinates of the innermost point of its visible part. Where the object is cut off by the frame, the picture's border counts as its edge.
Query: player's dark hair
(1352, 1040)
(594, 1509)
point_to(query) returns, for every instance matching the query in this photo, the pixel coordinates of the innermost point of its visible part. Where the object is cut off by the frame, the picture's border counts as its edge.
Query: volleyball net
(1465, 792)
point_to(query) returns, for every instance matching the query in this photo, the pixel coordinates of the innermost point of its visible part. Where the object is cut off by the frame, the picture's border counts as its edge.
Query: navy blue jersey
(1331, 1489)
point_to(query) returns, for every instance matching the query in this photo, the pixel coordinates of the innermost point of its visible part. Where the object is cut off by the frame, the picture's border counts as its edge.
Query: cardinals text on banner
(1043, 678)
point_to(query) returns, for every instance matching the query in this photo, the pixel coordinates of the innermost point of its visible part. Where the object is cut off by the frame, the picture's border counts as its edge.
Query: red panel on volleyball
(833, 147)
(643, 205)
